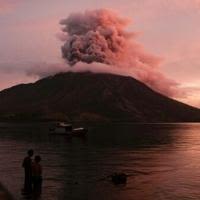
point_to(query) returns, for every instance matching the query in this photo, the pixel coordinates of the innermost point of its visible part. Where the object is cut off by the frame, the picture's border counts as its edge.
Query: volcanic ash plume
(94, 36)
(100, 36)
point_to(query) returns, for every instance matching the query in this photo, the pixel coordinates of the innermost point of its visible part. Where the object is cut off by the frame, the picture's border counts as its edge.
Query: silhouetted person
(27, 165)
(37, 176)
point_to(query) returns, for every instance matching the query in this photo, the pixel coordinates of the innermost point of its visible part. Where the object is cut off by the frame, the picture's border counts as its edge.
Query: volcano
(87, 96)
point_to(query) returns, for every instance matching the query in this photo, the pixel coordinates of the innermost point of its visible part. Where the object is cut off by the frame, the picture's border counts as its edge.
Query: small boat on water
(62, 128)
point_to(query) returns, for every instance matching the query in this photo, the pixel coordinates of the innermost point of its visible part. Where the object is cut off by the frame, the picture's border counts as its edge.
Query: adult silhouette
(27, 165)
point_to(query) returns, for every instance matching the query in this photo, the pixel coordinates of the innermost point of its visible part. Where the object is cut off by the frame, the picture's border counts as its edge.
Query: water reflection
(161, 159)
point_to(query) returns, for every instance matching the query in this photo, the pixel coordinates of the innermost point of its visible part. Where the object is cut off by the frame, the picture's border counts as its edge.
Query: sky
(30, 47)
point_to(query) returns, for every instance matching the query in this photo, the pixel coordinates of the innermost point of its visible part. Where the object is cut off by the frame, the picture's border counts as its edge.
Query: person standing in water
(27, 165)
(37, 176)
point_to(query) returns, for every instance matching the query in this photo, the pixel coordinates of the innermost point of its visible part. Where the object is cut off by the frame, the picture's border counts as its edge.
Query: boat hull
(76, 132)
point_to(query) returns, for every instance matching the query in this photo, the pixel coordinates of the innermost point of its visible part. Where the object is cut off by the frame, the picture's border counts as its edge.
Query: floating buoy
(119, 178)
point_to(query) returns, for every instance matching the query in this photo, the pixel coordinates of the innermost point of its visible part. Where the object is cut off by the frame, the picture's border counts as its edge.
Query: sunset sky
(169, 29)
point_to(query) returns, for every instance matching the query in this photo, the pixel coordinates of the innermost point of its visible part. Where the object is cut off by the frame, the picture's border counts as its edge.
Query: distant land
(91, 97)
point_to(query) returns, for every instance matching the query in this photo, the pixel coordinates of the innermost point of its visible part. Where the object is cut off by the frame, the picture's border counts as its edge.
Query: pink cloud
(8, 5)
(192, 96)
(9, 80)
(175, 5)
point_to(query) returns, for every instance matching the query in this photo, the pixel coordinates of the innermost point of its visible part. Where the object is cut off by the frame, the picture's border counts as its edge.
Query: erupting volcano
(101, 36)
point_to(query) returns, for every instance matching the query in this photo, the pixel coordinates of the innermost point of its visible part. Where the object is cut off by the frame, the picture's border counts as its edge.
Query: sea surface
(162, 161)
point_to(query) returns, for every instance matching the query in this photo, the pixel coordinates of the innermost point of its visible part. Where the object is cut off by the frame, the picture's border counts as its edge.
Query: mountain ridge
(91, 96)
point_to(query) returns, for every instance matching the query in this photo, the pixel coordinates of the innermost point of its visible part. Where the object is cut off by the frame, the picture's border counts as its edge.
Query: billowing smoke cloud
(100, 36)
(95, 36)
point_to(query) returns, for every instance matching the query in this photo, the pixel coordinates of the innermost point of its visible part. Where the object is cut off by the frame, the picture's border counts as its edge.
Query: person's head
(30, 152)
(37, 159)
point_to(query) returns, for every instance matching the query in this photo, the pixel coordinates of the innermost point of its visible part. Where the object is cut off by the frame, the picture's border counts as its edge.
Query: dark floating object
(62, 128)
(119, 178)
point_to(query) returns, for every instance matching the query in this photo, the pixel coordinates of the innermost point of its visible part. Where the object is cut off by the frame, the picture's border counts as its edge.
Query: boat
(62, 128)
(79, 131)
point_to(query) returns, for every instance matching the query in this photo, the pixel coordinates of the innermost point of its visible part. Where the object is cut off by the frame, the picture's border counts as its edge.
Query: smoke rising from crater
(100, 36)
(95, 36)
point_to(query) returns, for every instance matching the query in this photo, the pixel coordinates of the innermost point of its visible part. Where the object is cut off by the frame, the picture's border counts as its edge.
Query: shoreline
(5, 194)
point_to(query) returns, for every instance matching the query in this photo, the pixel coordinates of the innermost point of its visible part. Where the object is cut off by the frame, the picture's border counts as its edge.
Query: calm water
(163, 161)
